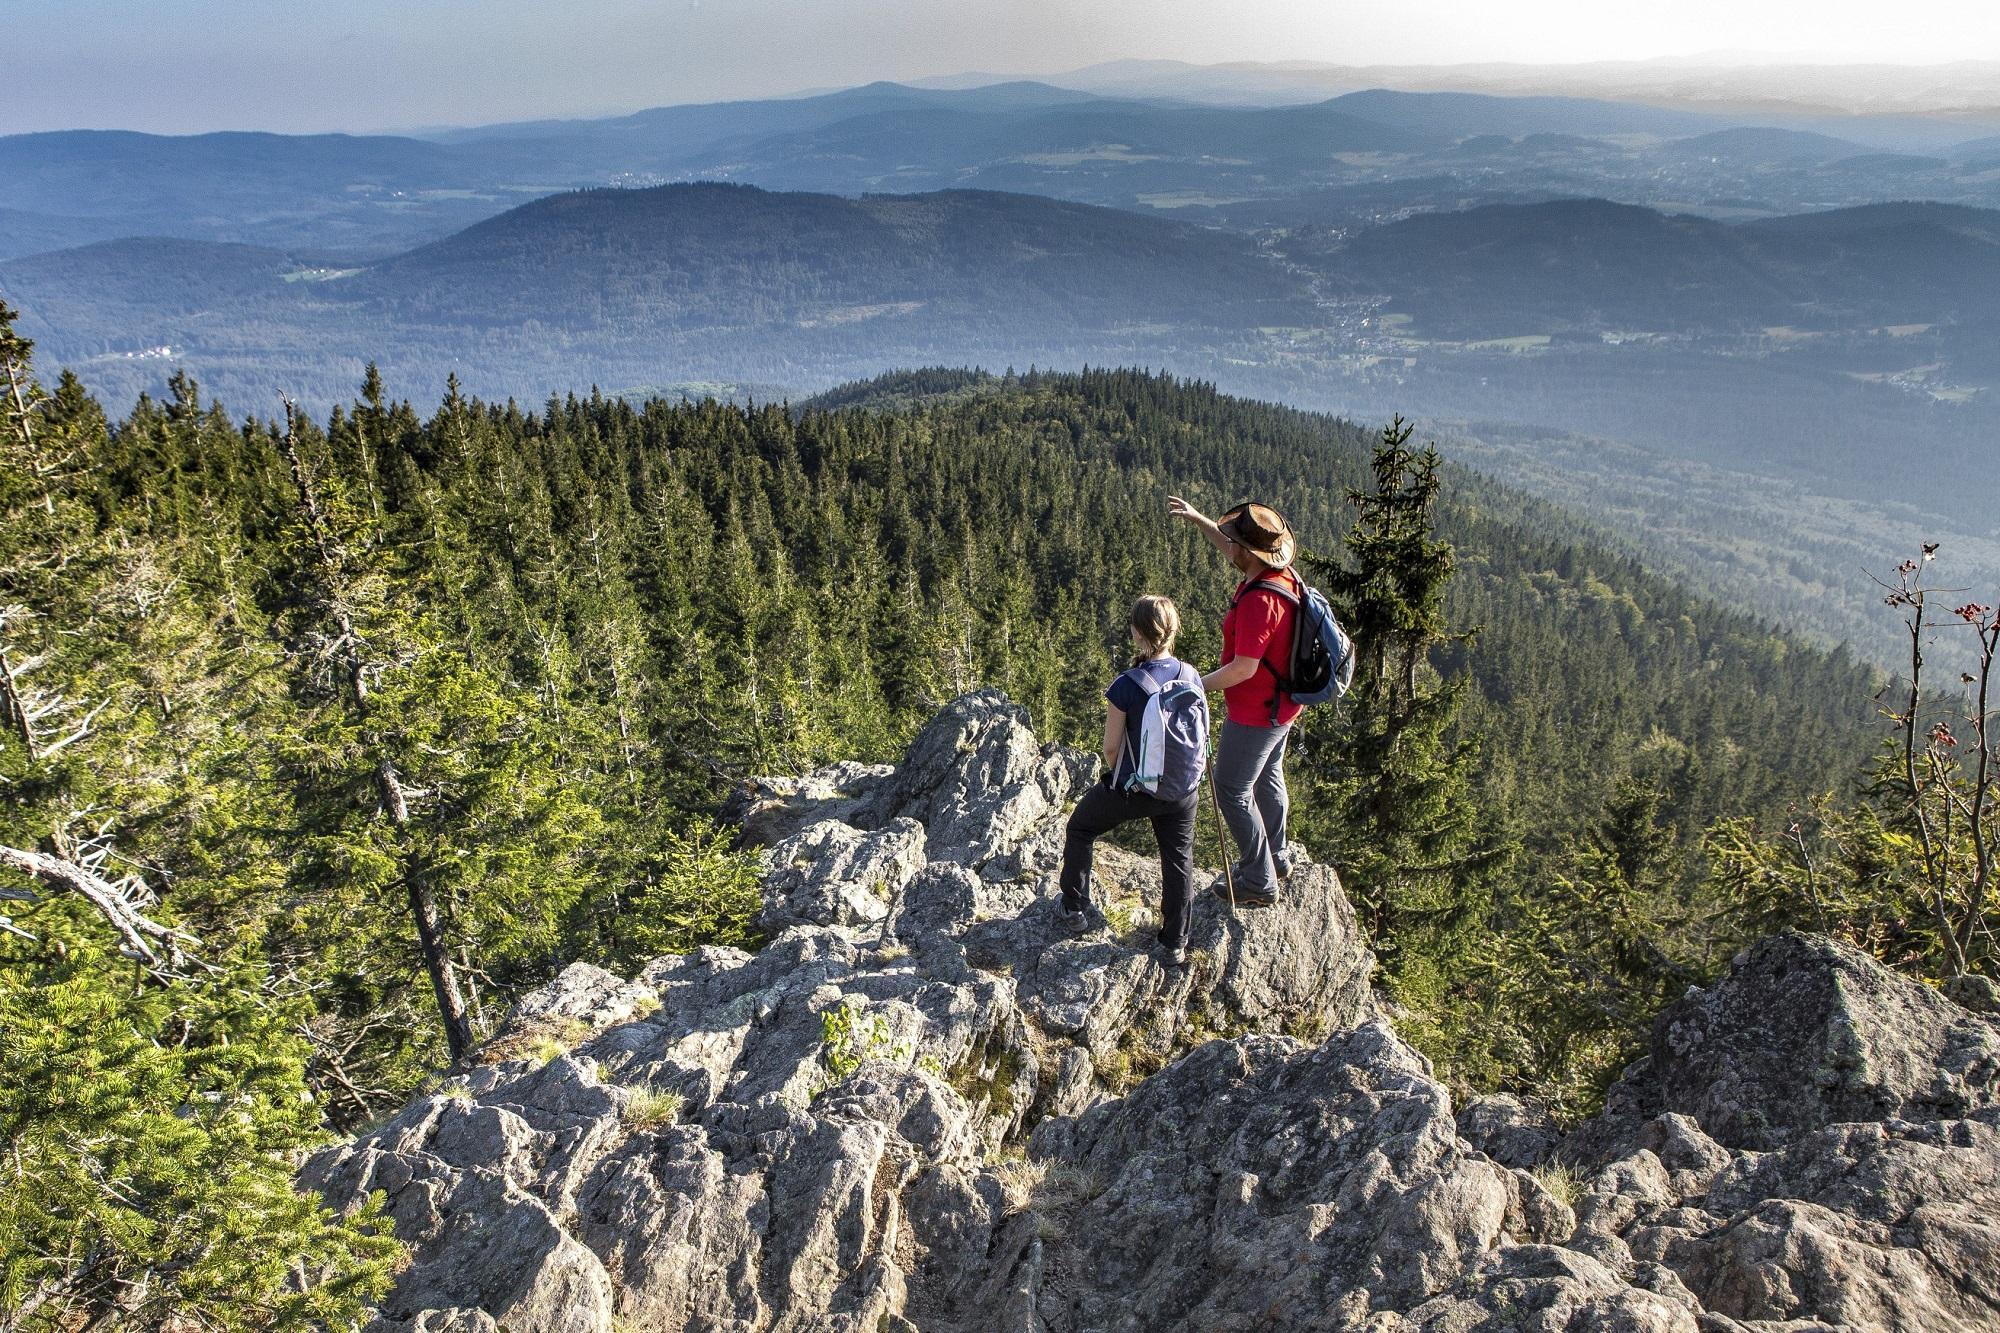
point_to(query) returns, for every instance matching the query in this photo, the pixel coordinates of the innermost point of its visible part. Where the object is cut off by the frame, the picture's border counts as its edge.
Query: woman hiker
(1150, 772)
(1250, 756)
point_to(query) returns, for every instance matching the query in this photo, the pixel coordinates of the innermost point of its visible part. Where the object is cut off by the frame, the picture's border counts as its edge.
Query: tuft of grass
(1051, 1190)
(649, 1107)
(1560, 1179)
(1307, 1027)
(541, 1043)
(1066, 1185)
(444, 1085)
(1055, 1190)
(544, 1047)
(1143, 1050)
(1114, 1068)
(1020, 1178)
(991, 1082)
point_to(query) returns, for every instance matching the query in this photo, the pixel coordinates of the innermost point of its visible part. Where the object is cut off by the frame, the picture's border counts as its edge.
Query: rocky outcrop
(1812, 1142)
(1803, 1032)
(924, 1106)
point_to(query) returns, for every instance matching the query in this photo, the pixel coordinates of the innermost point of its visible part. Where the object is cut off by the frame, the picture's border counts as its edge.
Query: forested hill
(1589, 266)
(727, 283)
(666, 597)
(1582, 657)
(721, 256)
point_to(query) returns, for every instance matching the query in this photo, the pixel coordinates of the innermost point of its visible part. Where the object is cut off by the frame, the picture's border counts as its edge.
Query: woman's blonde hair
(1157, 622)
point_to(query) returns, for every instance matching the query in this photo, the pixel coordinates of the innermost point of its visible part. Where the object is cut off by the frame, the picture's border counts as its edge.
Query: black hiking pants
(1102, 810)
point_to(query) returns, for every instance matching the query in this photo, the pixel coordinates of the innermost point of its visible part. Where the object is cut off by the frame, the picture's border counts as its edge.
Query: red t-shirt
(1260, 625)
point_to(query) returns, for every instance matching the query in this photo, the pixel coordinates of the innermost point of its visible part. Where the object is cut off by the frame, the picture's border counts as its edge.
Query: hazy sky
(180, 65)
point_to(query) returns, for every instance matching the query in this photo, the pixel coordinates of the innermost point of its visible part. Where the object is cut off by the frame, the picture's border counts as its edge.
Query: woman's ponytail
(1157, 622)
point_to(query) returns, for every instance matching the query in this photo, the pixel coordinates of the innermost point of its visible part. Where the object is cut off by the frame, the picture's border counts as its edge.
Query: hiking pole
(1222, 833)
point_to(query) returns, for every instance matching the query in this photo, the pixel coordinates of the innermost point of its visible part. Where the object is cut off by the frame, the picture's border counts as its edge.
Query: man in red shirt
(1256, 647)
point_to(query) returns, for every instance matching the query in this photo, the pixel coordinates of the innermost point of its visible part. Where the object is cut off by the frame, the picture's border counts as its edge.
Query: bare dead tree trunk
(1912, 597)
(1796, 835)
(14, 704)
(1982, 784)
(17, 388)
(145, 939)
(424, 915)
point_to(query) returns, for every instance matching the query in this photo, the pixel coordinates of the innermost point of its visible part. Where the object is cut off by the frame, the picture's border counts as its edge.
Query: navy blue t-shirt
(1129, 696)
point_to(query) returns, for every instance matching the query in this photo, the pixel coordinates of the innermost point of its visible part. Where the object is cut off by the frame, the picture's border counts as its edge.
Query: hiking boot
(1076, 913)
(1244, 897)
(1169, 955)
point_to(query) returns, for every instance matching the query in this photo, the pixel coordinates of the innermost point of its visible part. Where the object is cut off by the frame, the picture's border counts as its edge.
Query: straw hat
(1262, 531)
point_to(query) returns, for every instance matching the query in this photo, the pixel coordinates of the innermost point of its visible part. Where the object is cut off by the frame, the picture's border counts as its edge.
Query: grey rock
(1548, 1287)
(734, 1140)
(1263, 1180)
(1535, 1213)
(582, 994)
(1979, 994)
(770, 810)
(1510, 1131)
(978, 780)
(488, 1239)
(1803, 1032)
(831, 874)
(925, 1105)
(1810, 1144)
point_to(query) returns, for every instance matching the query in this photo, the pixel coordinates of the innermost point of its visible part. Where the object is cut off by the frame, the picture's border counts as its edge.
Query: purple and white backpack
(1169, 753)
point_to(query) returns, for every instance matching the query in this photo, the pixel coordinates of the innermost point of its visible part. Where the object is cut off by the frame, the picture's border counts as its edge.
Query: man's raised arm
(1180, 508)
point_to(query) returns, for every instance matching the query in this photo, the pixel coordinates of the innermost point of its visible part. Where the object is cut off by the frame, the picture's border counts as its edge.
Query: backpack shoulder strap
(1144, 678)
(1267, 584)
(1294, 598)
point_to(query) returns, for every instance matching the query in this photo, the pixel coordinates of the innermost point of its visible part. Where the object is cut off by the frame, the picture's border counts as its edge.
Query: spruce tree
(426, 782)
(1394, 776)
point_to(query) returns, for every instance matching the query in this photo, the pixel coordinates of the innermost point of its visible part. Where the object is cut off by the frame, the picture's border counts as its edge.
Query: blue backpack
(1322, 659)
(1169, 753)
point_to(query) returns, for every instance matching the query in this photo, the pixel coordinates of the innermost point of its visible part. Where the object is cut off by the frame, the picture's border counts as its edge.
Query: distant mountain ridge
(641, 288)
(1908, 103)
(1447, 113)
(621, 267)
(1593, 265)
(350, 199)
(1775, 145)
(1794, 348)
(707, 252)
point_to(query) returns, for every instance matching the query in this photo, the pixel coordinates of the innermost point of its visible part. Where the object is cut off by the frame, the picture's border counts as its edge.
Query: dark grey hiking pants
(1102, 810)
(1250, 781)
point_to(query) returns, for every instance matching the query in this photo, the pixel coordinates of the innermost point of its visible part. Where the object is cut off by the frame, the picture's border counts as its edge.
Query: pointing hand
(1179, 508)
